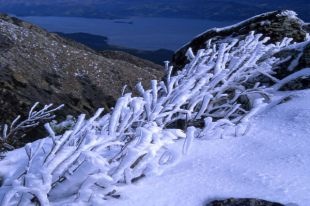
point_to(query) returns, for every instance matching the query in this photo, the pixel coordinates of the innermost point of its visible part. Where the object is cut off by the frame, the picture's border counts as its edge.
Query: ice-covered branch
(12, 133)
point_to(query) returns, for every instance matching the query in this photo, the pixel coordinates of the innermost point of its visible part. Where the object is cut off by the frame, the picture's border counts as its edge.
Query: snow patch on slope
(271, 162)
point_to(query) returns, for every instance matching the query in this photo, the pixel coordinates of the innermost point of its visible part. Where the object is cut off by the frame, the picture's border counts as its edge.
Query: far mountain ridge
(100, 43)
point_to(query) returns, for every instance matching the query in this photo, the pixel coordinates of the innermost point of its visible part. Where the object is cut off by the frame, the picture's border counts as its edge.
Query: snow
(272, 161)
(289, 13)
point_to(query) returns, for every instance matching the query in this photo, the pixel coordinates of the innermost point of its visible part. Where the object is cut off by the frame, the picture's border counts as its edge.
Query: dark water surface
(139, 33)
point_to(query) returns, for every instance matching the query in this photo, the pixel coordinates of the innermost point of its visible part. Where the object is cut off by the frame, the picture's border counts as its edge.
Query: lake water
(139, 33)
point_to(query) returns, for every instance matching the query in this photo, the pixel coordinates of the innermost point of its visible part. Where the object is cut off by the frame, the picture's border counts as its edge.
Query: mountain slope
(40, 66)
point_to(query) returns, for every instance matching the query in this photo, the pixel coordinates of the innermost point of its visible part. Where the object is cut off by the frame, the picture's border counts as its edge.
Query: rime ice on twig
(10, 134)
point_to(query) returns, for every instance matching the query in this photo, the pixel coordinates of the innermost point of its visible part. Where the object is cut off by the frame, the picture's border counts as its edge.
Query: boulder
(243, 202)
(276, 25)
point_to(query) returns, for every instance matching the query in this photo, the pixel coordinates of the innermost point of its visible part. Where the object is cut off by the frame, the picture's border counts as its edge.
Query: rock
(243, 202)
(276, 25)
(38, 66)
(298, 58)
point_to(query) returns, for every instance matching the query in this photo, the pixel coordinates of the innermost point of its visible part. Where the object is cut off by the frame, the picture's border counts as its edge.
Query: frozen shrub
(12, 134)
(134, 140)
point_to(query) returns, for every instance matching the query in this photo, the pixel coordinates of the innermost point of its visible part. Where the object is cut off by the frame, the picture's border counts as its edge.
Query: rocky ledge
(243, 202)
(276, 25)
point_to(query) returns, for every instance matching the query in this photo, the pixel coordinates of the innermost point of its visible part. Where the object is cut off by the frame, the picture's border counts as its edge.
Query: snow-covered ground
(272, 161)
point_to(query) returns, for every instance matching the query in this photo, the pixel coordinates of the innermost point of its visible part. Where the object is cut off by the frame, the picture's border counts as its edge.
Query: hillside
(37, 66)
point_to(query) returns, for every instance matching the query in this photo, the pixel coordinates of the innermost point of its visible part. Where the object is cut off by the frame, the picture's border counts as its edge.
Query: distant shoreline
(138, 33)
(123, 22)
(100, 44)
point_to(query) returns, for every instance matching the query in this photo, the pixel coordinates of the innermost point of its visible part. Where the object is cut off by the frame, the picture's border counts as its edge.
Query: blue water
(139, 33)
